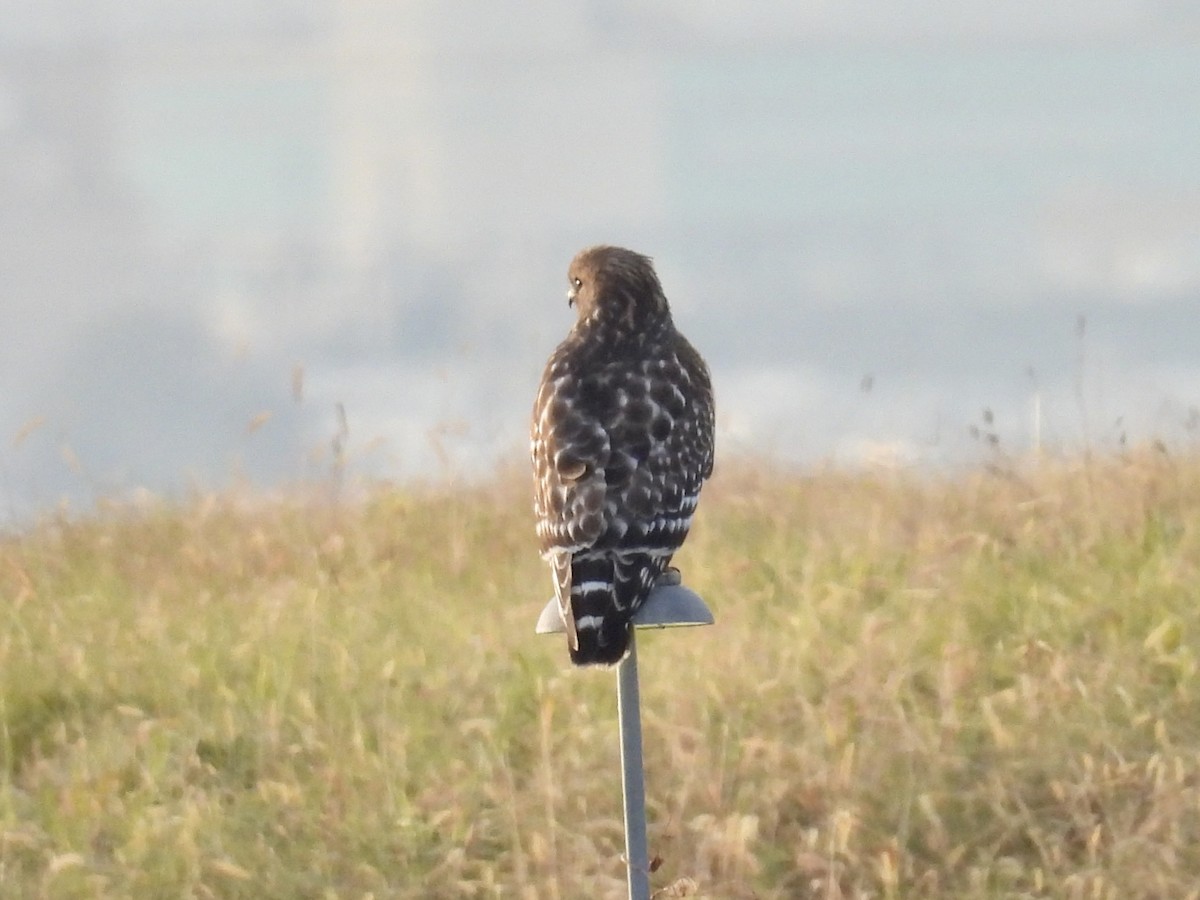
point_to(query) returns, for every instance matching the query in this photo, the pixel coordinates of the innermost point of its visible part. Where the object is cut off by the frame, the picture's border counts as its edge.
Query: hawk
(622, 441)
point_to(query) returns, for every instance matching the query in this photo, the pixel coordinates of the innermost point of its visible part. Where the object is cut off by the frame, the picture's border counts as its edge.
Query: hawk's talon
(670, 577)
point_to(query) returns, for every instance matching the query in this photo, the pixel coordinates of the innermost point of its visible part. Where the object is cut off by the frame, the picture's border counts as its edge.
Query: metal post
(637, 861)
(669, 605)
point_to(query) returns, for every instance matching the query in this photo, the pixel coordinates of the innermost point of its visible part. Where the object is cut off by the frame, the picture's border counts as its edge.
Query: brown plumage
(622, 441)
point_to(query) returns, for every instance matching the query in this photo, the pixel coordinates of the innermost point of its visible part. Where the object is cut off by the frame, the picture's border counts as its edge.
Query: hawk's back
(622, 441)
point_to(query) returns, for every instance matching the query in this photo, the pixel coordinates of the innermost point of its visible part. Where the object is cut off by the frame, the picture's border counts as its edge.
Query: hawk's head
(617, 286)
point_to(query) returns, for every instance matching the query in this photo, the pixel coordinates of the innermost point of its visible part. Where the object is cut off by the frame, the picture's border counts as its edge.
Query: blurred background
(263, 240)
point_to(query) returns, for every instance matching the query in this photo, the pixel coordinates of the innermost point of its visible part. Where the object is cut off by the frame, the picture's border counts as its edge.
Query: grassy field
(974, 686)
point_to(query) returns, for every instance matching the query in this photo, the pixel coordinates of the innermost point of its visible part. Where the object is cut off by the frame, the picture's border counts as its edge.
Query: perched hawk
(622, 440)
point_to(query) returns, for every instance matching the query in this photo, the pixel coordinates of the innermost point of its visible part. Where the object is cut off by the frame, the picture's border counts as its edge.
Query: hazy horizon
(222, 223)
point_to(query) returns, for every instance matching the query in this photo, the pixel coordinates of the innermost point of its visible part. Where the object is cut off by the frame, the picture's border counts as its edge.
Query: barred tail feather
(601, 629)
(604, 645)
(606, 590)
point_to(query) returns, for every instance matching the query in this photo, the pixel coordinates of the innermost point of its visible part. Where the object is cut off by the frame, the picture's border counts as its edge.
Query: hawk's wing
(620, 452)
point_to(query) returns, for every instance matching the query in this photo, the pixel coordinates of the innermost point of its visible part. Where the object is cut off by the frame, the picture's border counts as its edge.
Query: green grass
(974, 686)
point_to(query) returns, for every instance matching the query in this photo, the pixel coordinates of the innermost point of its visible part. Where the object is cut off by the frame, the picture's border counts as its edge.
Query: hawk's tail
(606, 591)
(605, 645)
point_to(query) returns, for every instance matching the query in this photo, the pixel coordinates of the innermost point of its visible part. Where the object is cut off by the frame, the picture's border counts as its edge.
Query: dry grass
(979, 686)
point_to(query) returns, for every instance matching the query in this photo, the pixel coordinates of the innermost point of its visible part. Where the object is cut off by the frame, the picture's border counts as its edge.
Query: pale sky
(876, 221)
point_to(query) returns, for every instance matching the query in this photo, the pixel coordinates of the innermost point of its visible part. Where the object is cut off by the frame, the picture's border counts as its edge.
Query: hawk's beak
(571, 297)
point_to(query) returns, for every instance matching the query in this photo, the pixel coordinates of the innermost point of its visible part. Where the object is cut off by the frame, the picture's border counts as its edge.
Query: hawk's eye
(576, 283)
